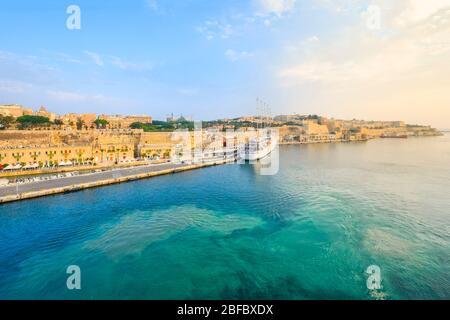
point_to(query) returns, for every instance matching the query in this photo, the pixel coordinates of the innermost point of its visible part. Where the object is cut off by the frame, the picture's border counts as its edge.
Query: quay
(37, 189)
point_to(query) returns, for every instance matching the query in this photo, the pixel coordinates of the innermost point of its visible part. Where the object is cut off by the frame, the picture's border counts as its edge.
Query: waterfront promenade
(69, 184)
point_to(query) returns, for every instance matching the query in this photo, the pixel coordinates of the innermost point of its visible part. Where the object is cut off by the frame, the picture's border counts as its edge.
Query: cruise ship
(259, 147)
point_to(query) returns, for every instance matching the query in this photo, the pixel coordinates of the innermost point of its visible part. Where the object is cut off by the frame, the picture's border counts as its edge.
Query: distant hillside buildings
(74, 120)
(123, 122)
(312, 128)
(14, 110)
(78, 139)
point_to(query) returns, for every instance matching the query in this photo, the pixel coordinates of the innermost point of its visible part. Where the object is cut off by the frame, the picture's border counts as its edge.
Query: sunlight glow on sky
(211, 59)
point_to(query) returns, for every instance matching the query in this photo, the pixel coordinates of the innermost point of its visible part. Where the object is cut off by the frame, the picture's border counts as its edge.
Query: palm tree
(17, 157)
(80, 155)
(102, 151)
(34, 155)
(50, 155)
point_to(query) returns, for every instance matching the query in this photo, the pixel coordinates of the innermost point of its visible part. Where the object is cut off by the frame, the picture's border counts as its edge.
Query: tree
(155, 126)
(34, 155)
(80, 124)
(17, 156)
(51, 155)
(102, 152)
(137, 125)
(101, 123)
(5, 121)
(32, 121)
(80, 154)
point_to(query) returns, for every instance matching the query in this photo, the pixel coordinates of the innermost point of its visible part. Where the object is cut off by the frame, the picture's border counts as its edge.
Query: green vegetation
(162, 126)
(5, 122)
(236, 124)
(148, 127)
(80, 124)
(33, 121)
(101, 123)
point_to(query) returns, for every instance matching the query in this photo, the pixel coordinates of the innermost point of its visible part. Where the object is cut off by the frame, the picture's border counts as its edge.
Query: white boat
(258, 148)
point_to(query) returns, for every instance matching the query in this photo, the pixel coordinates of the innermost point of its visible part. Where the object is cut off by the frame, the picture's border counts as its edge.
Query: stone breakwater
(99, 182)
(26, 173)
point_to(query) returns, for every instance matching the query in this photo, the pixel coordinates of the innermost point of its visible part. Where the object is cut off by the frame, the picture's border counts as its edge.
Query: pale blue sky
(204, 58)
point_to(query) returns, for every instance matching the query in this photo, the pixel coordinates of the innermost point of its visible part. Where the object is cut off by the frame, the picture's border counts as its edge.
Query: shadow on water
(284, 287)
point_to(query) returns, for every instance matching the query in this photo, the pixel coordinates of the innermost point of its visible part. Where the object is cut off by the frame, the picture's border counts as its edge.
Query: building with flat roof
(123, 122)
(14, 110)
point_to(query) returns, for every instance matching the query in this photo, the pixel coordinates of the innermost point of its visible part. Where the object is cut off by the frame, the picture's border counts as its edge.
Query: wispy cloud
(67, 58)
(263, 12)
(276, 7)
(405, 52)
(118, 62)
(215, 29)
(70, 97)
(26, 68)
(95, 57)
(129, 65)
(153, 5)
(65, 96)
(418, 10)
(233, 55)
(156, 6)
(14, 86)
(399, 71)
(55, 56)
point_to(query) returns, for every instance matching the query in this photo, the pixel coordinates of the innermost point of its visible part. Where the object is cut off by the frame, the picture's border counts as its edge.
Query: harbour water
(227, 232)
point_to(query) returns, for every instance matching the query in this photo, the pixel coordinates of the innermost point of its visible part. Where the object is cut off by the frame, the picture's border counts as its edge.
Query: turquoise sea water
(228, 232)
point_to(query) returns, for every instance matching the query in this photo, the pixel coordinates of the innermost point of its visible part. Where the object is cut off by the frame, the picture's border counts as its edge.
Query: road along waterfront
(18, 192)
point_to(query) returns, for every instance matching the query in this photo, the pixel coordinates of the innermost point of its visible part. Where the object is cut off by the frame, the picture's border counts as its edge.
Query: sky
(364, 59)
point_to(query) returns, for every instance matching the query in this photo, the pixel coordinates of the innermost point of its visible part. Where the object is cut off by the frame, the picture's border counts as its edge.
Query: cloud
(215, 29)
(70, 96)
(128, 65)
(95, 57)
(9, 86)
(66, 96)
(67, 58)
(276, 7)
(123, 64)
(153, 5)
(25, 68)
(357, 54)
(399, 71)
(233, 55)
(263, 12)
(339, 6)
(419, 10)
(49, 55)
(156, 7)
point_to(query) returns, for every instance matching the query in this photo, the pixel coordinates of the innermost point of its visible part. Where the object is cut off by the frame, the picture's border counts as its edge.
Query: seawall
(100, 183)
